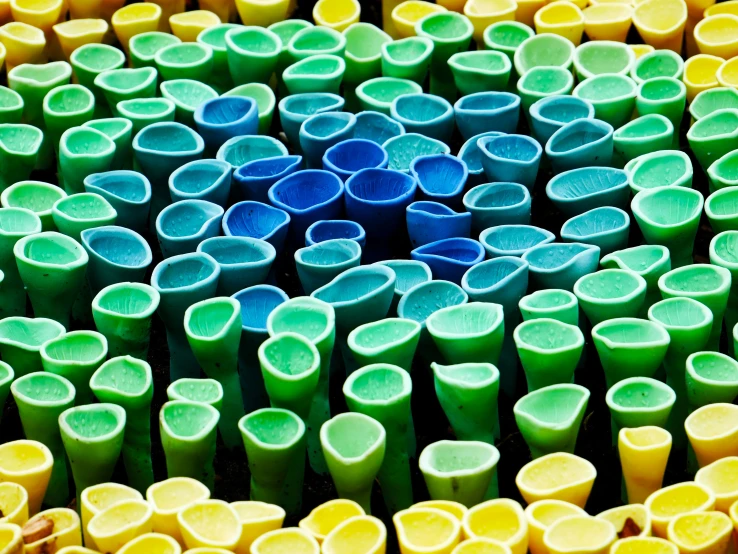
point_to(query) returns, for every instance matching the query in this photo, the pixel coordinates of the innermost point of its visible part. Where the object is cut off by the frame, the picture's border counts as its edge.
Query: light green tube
(127, 382)
(382, 392)
(188, 433)
(15, 223)
(213, 329)
(275, 447)
(392, 340)
(354, 447)
(316, 321)
(21, 339)
(205, 391)
(41, 398)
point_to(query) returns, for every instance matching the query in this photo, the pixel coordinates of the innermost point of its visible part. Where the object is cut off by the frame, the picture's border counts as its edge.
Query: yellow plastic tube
(721, 478)
(580, 535)
(713, 432)
(502, 520)
(700, 73)
(152, 543)
(210, 523)
(13, 503)
(256, 519)
(426, 531)
(171, 496)
(481, 546)
(644, 452)
(683, 498)
(557, 476)
(561, 18)
(329, 515)
(718, 35)
(454, 508)
(727, 74)
(99, 498)
(65, 532)
(608, 21)
(77, 32)
(187, 25)
(76, 550)
(541, 515)
(292, 540)
(408, 13)
(643, 545)
(135, 19)
(23, 44)
(262, 13)
(120, 523)
(358, 535)
(11, 539)
(27, 463)
(703, 533)
(336, 14)
(42, 14)
(483, 13)
(638, 515)
(731, 6)
(661, 23)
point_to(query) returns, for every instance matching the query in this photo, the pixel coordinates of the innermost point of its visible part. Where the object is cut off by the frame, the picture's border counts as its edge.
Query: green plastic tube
(124, 84)
(549, 418)
(253, 54)
(706, 283)
(382, 392)
(188, 432)
(468, 332)
(65, 107)
(21, 339)
(88, 61)
(120, 131)
(142, 48)
(549, 351)
(665, 96)
(639, 402)
(323, 73)
(610, 293)
(353, 445)
(11, 106)
(36, 196)
(81, 211)
(459, 471)
(82, 152)
(641, 136)
(93, 439)
(145, 111)
(205, 391)
(285, 30)
(392, 340)
(214, 37)
(275, 447)
(122, 313)
(76, 356)
(290, 365)
(630, 347)
(15, 223)
(185, 60)
(670, 217)
(688, 323)
(468, 395)
(20, 151)
(451, 33)
(316, 321)
(558, 304)
(722, 254)
(41, 398)
(613, 97)
(52, 267)
(364, 44)
(713, 136)
(213, 329)
(408, 58)
(648, 261)
(128, 383)
(711, 378)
